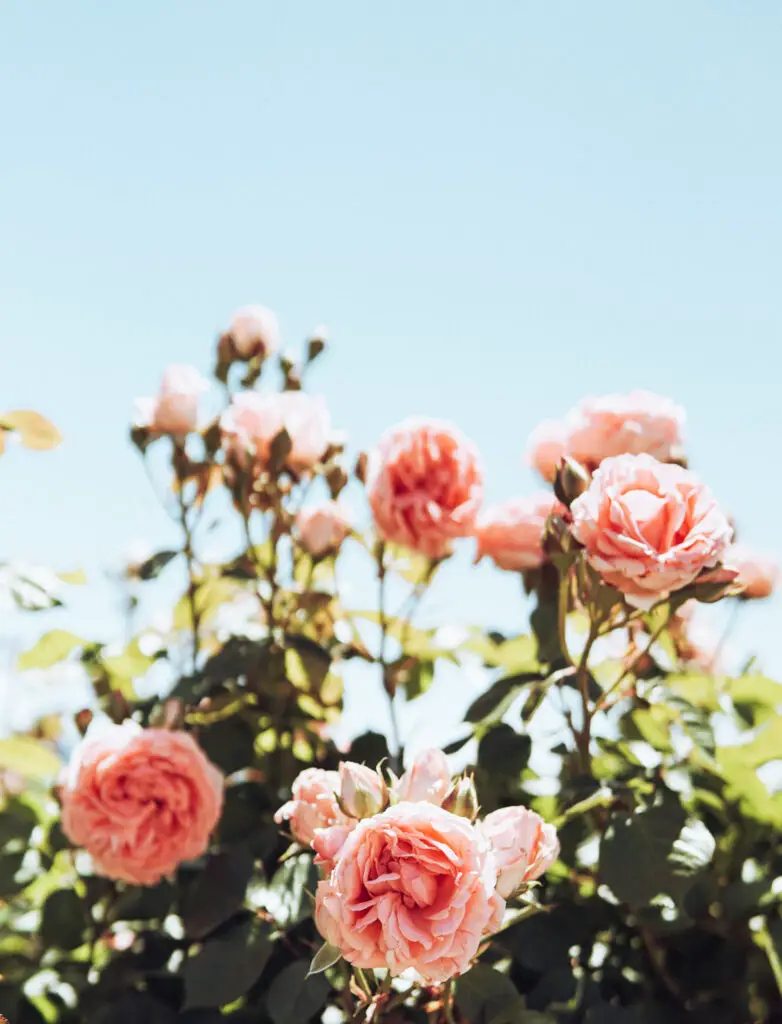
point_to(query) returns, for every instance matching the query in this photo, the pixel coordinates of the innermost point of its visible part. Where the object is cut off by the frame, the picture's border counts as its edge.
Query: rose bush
(599, 842)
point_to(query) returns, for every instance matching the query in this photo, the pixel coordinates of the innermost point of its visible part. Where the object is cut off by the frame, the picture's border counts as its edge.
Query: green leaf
(17, 821)
(10, 866)
(154, 565)
(143, 903)
(417, 678)
(315, 659)
(34, 430)
(502, 751)
(414, 568)
(744, 788)
(29, 757)
(652, 852)
(519, 654)
(493, 704)
(326, 957)
(63, 920)
(227, 966)
(291, 890)
(295, 996)
(217, 892)
(483, 994)
(53, 646)
(757, 697)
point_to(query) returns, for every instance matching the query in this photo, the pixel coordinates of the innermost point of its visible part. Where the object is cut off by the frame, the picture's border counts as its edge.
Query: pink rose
(511, 533)
(313, 805)
(545, 448)
(328, 843)
(425, 486)
(413, 887)
(254, 332)
(524, 846)
(253, 420)
(758, 576)
(140, 801)
(175, 408)
(649, 528)
(322, 528)
(635, 424)
(428, 779)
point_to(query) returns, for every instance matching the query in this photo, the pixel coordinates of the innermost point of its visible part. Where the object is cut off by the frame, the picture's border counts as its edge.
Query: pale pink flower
(637, 423)
(327, 844)
(322, 528)
(758, 576)
(546, 447)
(413, 887)
(313, 805)
(428, 779)
(425, 486)
(175, 408)
(649, 528)
(140, 801)
(524, 845)
(253, 420)
(511, 532)
(362, 791)
(254, 332)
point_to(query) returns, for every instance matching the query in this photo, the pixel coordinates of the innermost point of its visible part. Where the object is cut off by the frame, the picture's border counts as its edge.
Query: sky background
(497, 209)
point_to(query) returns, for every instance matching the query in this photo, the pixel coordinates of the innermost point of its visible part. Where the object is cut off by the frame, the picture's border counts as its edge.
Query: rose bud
(571, 480)
(462, 799)
(362, 792)
(253, 332)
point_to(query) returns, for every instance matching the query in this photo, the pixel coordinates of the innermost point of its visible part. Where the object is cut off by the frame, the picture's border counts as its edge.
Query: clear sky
(497, 208)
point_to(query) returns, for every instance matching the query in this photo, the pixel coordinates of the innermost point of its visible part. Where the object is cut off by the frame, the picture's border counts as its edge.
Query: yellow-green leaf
(34, 430)
(28, 757)
(75, 577)
(51, 648)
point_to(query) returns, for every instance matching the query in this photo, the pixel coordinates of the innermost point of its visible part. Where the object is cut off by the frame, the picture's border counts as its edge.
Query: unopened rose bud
(316, 343)
(362, 791)
(462, 799)
(557, 539)
(254, 332)
(571, 480)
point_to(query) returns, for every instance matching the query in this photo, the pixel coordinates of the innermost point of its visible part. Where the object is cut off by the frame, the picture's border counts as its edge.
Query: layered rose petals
(313, 805)
(511, 532)
(524, 845)
(425, 486)
(253, 420)
(649, 529)
(413, 887)
(140, 801)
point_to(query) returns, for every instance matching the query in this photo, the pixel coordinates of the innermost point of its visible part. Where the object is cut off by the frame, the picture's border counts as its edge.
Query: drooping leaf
(493, 704)
(326, 957)
(295, 995)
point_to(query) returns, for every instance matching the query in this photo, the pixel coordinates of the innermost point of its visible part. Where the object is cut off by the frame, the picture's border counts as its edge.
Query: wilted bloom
(140, 801)
(428, 779)
(545, 448)
(649, 528)
(322, 528)
(511, 532)
(362, 791)
(425, 486)
(413, 887)
(524, 845)
(175, 408)
(313, 805)
(254, 332)
(637, 423)
(253, 420)
(758, 575)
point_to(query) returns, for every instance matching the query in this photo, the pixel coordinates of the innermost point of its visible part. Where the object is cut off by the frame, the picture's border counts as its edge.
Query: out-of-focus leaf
(493, 704)
(10, 866)
(34, 430)
(483, 993)
(217, 892)
(414, 568)
(74, 577)
(63, 920)
(289, 897)
(516, 655)
(226, 966)
(503, 751)
(315, 659)
(53, 646)
(143, 903)
(29, 757)
(155, 564)
(295, 995)
(756, 697)
(744, 788)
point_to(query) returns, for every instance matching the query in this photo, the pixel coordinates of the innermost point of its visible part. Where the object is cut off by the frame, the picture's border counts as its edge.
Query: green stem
(363, 982)
(630, 670)
(192, 585)
(448, 1003)
(770, 950)
(562, 608)
(584, 735)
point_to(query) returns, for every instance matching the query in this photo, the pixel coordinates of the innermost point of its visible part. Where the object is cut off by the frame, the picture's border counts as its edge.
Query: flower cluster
(410, 878)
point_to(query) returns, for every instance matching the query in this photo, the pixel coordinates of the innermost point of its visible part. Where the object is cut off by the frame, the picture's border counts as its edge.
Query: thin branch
(388, 683)
(631, 668)
(192, 584)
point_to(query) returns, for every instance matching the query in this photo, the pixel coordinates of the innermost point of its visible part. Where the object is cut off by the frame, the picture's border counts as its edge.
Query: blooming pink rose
(254, 332)
(322, 528)
(313, 806)
(140, 801)
(428, 779)
(511, 533)
(413, 887)
(637, 423)
(425, 486)
(253, 420)
(175, 408)
(545, 448)
(758, 576)
(328, 843)
(649, 528)
(524, 846)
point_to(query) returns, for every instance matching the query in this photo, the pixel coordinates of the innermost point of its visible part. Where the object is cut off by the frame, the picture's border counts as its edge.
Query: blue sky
(496, 208)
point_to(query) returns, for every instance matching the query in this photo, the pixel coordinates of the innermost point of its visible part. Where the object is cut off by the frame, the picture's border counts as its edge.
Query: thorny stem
(192, 585)
(630, 669)
(770, 950)
(388, 683)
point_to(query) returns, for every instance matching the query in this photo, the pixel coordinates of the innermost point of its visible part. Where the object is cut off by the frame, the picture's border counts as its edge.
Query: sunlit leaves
(34, 430)
(52, 647)
(29, 757)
